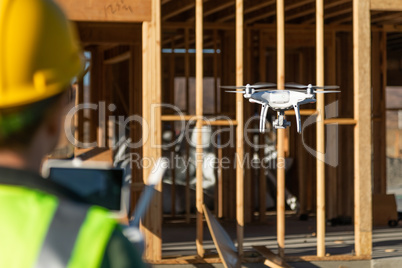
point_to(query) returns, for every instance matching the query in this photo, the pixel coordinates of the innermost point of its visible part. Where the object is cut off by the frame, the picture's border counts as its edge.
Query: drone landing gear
(281, 121)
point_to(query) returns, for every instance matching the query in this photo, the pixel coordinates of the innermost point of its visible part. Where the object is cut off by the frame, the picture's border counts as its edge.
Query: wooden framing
(386, 5)
(106, 10)
(271, 260)
(320, 106)
(280, 177)
(135, 107)
(119, 58)
(101, 33)
(239, 128)
(244, 18)
(152, 225)
(177, 7)
(79, 116)
(262, 178)
(362, 130)
(95, 67)
(199, 112)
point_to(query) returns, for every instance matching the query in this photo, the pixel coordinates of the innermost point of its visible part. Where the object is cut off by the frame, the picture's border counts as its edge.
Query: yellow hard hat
(39, 51)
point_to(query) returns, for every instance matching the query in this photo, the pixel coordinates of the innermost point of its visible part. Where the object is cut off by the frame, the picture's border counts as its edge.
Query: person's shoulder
(103, 232)
(120, 252)
(35, 182)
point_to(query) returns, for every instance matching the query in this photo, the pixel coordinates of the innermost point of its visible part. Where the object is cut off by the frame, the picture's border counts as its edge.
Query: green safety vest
(41, 230)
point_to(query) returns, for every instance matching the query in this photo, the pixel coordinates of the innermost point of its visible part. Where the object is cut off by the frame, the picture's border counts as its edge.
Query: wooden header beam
(101, 33)
(386, 5)
(107, 10)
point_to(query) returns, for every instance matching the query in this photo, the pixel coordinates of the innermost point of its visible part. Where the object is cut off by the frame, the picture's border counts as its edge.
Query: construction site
(324, 189)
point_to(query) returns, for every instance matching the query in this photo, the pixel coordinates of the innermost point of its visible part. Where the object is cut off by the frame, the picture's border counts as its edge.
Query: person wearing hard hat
(41, 223)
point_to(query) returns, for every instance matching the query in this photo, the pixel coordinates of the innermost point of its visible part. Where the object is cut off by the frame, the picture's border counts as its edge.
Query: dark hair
(18, 125)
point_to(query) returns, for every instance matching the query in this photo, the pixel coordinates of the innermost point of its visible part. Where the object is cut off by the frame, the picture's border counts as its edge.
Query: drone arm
(298, 121)
(255, 101)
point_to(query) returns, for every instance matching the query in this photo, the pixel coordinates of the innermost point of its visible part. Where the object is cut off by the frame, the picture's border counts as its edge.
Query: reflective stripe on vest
(61, 235)
(39, 230)
(93, 239)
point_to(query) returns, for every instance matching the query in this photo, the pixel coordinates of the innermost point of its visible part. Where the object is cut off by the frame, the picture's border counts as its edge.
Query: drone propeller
(297, 90)
(236, 91)
(255, 86)
(327, 91)
(266, 90)
(233, 87)
(244, 92)
(264, 84)
(296, 85)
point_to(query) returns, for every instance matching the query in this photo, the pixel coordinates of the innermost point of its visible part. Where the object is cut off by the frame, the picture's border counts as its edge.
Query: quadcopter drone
(280, 100)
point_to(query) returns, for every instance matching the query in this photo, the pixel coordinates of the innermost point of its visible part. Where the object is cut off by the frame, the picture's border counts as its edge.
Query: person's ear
(54, 120)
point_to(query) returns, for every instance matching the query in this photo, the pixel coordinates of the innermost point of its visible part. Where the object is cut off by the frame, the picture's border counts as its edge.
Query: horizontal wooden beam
(340, 121)
(298, 4)
(297, 39)
(215, 259)
(312, 10)
(341, 20)
(273, 12)
(302, 112)
(178, 117)
(299, 28)
(336, 3)
(174, 118)
(176, 7)
(394, 109)
(264, 27)
(333, 14)
(297, 15)
(261, 16)
(271, 259)
(118, 58)
(385, 17)
(386, 5)
(249, 7)
(259, 6)
(220, 123)
(107, 10)
(94, 154)
(190, 25)
(211, 7)
(326, 258)
(109, 33)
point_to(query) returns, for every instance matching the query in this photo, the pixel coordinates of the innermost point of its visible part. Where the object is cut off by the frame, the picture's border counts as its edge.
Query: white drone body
(280, 101)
